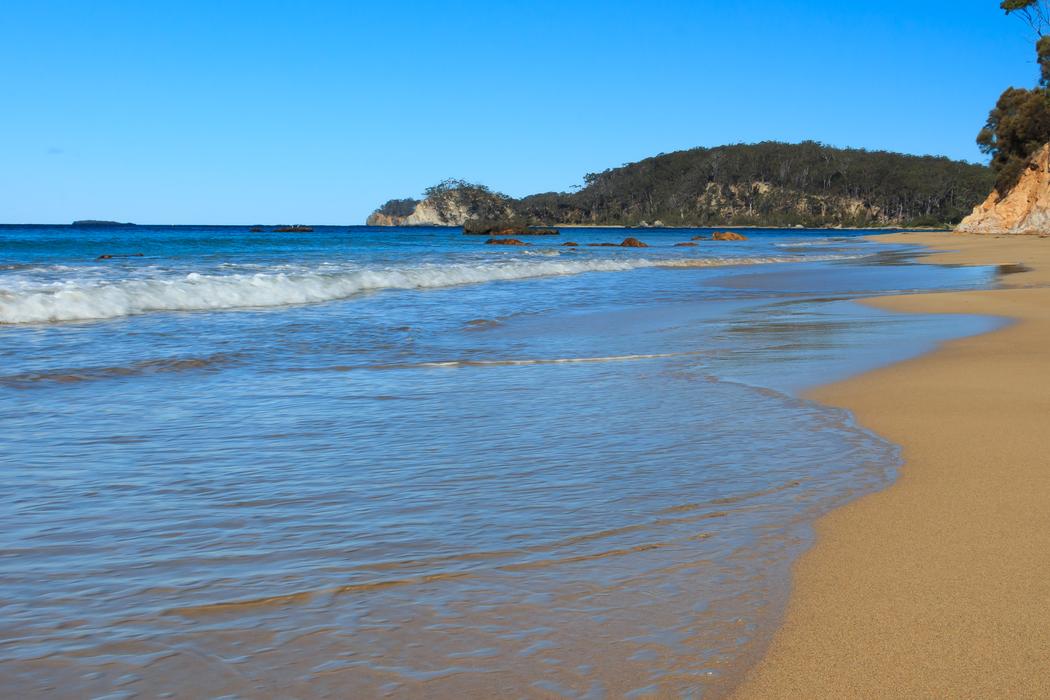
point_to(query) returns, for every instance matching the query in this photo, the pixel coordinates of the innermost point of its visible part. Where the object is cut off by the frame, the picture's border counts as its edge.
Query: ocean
(366, 462)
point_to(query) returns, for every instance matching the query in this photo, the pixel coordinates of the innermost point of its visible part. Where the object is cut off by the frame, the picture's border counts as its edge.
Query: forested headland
(764, 184)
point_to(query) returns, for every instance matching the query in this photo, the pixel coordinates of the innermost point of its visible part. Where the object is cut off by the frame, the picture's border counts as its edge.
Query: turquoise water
(364, 462)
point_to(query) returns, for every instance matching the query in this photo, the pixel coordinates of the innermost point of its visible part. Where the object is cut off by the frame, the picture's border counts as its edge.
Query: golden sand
(938, 586)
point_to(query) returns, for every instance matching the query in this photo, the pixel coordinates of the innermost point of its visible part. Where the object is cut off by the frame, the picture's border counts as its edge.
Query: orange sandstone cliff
(1024, 209)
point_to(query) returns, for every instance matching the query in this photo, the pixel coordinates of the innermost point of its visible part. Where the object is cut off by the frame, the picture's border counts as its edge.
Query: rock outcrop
(451, 203)
(505, 241)
(378, 218)
(627, 243)
(483, 227)
(727, 236)
(1025, 208)
(426, 213)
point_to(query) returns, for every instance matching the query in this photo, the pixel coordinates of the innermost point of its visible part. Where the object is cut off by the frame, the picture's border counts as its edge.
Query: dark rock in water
(727, 236)
(604, 245)
(633, 243)
(89, 223)
(685, 245)
(505, 241)
(483, 227)
(1012, 269)
(256, 229)
(574, 244)
(110, 256)
(698, 238)
(294, 229)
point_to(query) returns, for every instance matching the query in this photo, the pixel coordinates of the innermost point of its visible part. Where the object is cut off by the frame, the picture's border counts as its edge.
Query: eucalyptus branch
(1034, 13)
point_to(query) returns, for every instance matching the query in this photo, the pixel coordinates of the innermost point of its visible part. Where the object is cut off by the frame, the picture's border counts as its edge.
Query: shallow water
(365, 462)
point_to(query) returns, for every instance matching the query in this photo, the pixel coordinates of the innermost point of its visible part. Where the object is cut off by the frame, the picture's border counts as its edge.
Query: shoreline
(938, 584)
(728, 227)
(753, 227)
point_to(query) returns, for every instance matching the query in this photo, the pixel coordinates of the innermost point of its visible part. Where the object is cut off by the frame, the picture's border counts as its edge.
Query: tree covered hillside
(764, 184)
(772, 184)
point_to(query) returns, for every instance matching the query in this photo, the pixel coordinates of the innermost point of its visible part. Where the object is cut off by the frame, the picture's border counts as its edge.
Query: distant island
(89, 223)
(763, 184)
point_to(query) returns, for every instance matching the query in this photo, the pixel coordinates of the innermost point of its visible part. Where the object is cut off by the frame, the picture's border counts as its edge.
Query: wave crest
(91, 299)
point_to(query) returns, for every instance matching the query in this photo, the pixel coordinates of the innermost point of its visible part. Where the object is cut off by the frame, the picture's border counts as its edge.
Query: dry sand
(938, 586)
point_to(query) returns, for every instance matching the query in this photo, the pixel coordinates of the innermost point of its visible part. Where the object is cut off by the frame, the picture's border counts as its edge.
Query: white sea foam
(808, 244)
(554, 360)
(86, 299)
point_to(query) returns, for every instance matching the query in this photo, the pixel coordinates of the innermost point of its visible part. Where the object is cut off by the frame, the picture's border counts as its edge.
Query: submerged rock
(294, 229)
(504, 228)
(574, 244)
(727, 236)
(505, 241)
(685, 245)
(633, 243)
(110, 256)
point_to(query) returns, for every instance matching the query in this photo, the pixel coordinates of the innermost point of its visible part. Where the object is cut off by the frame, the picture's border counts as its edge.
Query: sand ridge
(938, 586)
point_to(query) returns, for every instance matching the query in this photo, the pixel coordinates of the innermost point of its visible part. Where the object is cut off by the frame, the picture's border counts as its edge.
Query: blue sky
(317, 112)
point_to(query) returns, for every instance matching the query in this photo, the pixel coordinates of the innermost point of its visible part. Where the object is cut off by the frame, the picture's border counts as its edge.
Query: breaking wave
(82, 300)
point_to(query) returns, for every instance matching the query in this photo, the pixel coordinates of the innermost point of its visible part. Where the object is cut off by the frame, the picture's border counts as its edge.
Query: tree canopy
(762, 184)
(1017, 127)
(1019, 124)
(771, 184)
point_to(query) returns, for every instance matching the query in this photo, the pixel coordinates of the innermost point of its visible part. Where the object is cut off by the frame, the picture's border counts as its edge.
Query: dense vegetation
(476, 201)
(765, 184)
(774, 184)
(1020, 122)
(398, 207)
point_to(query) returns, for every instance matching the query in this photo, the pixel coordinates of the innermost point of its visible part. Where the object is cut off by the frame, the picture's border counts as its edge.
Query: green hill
(764, 184)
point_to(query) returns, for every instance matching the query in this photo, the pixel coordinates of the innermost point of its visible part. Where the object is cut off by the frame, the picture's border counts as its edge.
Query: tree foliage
(1035, 13)
(1019, 124)
(763, 184)
(1017, 127)
(398, 207)
(774, 184)
(477, 200)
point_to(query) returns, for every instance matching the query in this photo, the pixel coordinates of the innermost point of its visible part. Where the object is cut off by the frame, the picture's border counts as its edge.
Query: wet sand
(938, 586)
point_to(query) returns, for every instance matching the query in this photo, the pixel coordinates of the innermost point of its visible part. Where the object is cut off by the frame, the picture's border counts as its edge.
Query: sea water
(361, 462)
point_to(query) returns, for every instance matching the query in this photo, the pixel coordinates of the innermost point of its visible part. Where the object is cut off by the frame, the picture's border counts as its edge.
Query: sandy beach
(938, 586)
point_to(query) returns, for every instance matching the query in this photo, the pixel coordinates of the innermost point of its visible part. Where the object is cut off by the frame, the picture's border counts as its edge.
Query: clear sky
(317, 112)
